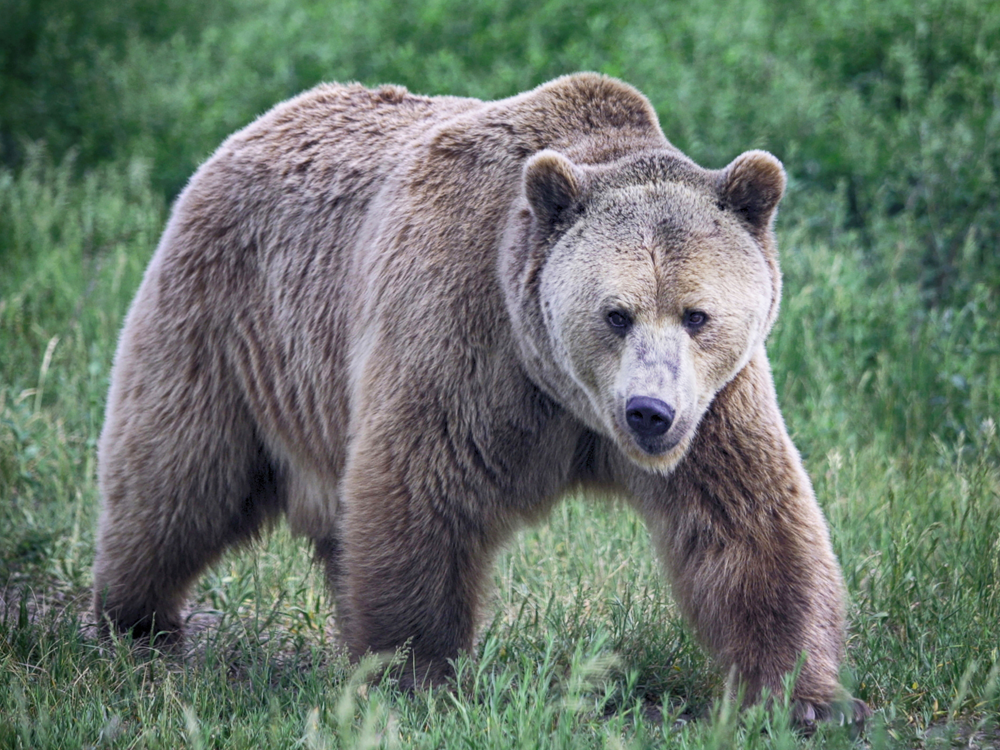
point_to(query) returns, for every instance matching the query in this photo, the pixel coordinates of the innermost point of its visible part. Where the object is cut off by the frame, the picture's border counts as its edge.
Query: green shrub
(895, 101)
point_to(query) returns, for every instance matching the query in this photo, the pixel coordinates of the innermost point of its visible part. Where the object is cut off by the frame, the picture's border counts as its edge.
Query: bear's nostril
(648, 417)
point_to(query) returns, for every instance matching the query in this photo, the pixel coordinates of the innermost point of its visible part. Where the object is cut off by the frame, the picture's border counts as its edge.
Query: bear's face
(652, 297)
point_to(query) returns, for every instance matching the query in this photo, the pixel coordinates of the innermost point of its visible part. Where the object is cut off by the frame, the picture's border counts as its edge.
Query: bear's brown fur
(410, 324)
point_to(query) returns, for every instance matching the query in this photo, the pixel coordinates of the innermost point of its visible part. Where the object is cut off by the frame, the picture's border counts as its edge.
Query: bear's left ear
(752, 186)
(552, 185)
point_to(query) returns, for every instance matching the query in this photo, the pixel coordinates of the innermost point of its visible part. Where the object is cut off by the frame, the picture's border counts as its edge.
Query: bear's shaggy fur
(411, 324)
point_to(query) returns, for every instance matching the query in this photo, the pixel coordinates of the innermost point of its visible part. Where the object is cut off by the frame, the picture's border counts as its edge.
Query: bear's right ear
(552, 186)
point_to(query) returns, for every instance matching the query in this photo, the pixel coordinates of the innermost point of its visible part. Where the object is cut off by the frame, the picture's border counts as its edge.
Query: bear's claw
(853, 712)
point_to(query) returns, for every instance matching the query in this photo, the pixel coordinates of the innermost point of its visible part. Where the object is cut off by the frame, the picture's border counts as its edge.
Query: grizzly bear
(411, 324)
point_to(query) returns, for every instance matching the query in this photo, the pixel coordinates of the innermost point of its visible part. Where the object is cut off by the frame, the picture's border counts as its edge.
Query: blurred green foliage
(895, 103)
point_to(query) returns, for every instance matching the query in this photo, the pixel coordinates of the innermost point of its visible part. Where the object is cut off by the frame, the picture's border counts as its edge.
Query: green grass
(886, 359)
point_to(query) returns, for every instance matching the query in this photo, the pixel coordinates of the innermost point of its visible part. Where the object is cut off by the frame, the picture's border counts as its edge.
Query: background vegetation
(887, 116)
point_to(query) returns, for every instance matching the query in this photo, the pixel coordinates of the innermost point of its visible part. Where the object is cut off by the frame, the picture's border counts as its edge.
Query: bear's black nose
(648, 417)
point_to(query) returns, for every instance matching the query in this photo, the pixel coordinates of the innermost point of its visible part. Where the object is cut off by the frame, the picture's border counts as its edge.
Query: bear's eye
(619, 320)
(694, 320)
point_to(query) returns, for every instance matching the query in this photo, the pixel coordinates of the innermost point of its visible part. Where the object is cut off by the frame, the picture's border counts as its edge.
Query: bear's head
(638, 289)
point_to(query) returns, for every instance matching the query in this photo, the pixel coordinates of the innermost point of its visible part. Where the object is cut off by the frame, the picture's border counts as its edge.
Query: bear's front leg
(749, 553)
(412, 562)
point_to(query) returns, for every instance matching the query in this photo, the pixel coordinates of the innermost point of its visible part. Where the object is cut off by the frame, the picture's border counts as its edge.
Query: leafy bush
(898, 103)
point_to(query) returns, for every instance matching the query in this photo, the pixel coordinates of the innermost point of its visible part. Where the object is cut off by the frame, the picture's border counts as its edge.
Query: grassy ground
(886, 358)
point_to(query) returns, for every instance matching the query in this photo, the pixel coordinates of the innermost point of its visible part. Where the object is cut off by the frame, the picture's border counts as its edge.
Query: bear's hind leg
(183, 476)
(146, 562)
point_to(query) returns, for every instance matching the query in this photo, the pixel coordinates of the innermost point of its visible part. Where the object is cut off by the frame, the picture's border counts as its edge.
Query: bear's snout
(648, 417)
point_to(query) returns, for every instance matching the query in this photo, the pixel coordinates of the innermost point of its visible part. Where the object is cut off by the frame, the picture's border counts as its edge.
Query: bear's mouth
(643, 448)
(656, 447)
(661, 458)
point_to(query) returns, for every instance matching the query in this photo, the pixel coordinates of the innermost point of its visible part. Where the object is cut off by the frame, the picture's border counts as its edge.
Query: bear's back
(306, 165)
